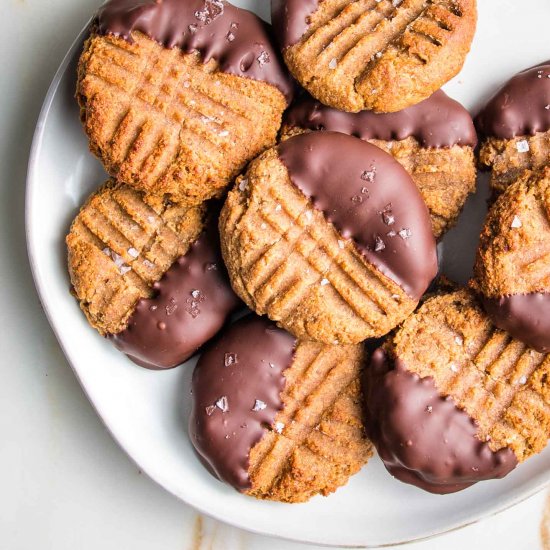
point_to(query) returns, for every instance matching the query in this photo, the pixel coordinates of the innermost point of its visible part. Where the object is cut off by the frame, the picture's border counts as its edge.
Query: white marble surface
(64, 483)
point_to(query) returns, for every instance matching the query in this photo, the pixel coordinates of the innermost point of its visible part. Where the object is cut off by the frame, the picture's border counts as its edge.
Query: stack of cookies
(306, 172)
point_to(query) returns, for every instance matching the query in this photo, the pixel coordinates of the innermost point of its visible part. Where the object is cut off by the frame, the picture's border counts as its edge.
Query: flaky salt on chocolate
(286, 431)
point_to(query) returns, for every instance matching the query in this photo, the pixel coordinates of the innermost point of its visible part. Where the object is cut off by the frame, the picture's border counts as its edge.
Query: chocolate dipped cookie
(515, 125)
(512, 269)
(380, 55)
(452, 400)
(275, 417)
(434, 141)
(328, 236)
(177, 96)
(149, 278)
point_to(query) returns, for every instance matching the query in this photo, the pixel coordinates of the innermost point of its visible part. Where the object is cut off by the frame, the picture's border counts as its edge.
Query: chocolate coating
(422, 438)
(241, 373)
(369, 197)
(290, 19)
(237, 39)
(525, 316)
(437, 122)
(520, 107)
(192, 302)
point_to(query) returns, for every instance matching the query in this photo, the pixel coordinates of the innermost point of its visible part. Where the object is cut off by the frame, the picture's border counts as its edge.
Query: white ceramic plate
(147, 411)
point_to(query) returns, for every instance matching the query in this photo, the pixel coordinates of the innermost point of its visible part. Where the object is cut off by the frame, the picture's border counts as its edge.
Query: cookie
(434, 141)
(512, 270)
(379, 55)
(276, 418)
(515, 124)
(150, 279)
(177, 96)
(453, 400)
(332, 251)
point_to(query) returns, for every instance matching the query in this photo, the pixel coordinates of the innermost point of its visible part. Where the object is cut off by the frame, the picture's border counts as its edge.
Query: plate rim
(30, 184)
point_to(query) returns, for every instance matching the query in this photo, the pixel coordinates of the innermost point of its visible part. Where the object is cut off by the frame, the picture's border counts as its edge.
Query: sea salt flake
(171, 307)
(223, 404)
(369, 175)
(192, 28)
(210, 409)
(243, 184)
(324, 282)
(196, 293)
(459, 340)
(230, 359)
(391, 233)
(271, 365)
(263, 58)
(124, 269)
(133, 252)
(278, 208)
(547, 107)
(259, 405)
(523, 380)
(454, 368)
(365, 191)
(106, 251)
(309, 215)
(230, 36)
(405, 234)
(522, 146)
(211, 266)
(333, 63)
(357, 199)
(148, 264)
(212, 10)
(279, 427)
(429, 408)
(223, 133)
(516, 223)
(379, 245)
(341, 245)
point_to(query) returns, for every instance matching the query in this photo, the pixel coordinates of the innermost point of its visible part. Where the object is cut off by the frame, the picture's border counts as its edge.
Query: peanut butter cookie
(434, 141)
(453, 400)
(381, 55)
(512, 270)
(328, 236)
(177, 96)
(150, 278)
(276, 418)
(515, 125)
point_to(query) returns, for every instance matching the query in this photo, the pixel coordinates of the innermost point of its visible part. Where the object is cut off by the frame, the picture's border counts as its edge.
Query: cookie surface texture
(333, 251)
(434, 141)
(512, 270)
(151, 279)
(515, 125)
(176, 97)
(453, 400)
(382, 56)
(276, 418)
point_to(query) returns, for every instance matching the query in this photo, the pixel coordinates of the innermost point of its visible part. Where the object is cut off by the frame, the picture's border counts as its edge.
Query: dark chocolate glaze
(422, 438)
(520, 108)
(237, 39)
(241, 373)
(192, 302)
(290, 19)
(369, 197)
(438, 121)
(525, 316)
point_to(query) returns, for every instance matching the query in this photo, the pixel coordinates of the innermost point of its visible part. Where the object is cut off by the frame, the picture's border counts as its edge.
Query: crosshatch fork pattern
(497, 380)
(317, 441)
(285, 260)
(368, 49)
(119, 245)
(165, 122)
